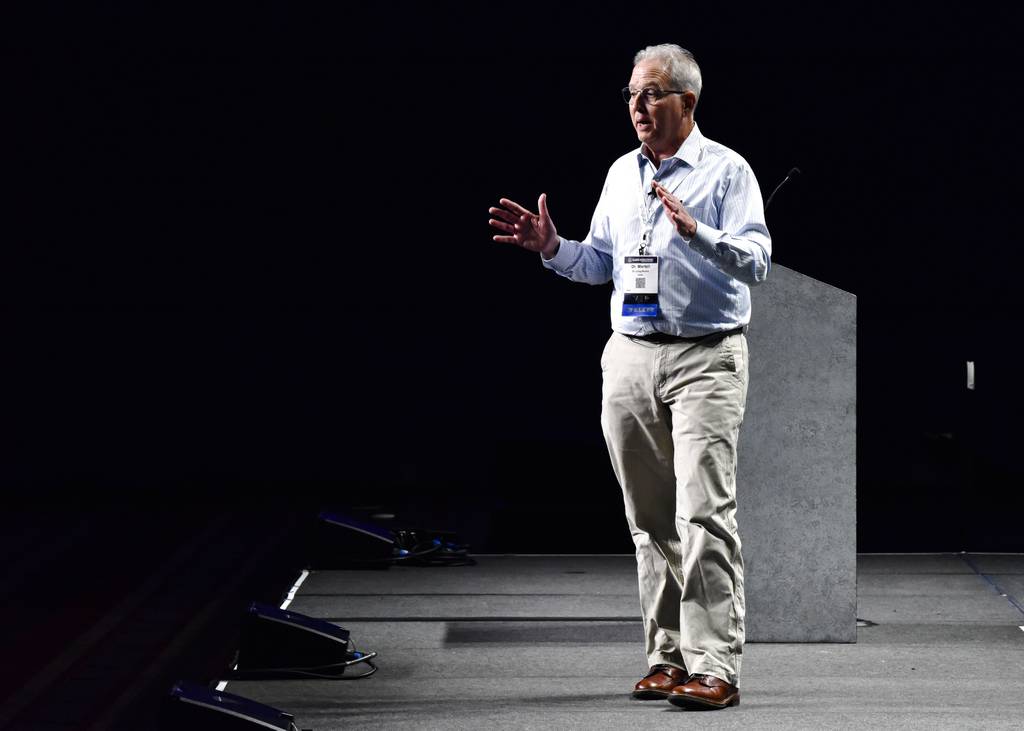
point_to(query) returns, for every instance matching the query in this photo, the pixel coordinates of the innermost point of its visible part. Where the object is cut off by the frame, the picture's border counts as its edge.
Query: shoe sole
(689, 701)
(650, 695)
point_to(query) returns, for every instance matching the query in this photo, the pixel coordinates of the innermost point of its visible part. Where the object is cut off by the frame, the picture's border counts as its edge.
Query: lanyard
(646, 217)
(647, 211)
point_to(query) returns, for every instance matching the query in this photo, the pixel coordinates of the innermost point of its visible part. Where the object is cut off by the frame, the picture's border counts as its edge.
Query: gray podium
(796, 480)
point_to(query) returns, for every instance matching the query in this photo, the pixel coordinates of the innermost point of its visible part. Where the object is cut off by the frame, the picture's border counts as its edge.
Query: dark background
(247, 251)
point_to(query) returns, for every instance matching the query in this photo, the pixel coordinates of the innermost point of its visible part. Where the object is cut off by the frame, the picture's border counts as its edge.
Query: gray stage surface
(531, 641)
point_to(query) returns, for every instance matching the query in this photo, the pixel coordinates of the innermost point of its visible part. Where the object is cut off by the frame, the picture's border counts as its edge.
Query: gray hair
(679, 63)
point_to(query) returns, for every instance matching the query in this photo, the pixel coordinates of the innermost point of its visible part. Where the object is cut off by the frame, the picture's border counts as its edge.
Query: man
(675, 367)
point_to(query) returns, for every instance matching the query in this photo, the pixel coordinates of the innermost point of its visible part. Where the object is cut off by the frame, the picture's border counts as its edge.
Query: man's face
(659, 124)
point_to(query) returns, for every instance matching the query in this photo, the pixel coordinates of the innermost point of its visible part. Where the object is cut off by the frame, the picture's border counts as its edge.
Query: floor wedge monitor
(199, 708)
(277, 643)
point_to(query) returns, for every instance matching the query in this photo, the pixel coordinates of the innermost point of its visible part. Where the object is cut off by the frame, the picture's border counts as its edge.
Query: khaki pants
(671, 415)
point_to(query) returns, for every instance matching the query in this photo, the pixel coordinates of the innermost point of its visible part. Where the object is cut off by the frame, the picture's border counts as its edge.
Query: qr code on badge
(641, 282)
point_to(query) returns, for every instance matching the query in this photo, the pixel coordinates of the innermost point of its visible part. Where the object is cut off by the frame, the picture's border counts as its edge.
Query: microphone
(790, 174)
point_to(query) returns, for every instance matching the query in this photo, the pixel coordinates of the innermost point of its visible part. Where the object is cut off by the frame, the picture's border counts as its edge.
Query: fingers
(671, 202)
(504, 220)
(518, 222)
(512, 214)
(682, 226)
(503, 215)
(665, 197)
(520, 229)
(542, 205)
(513, 206)
(519, 236)
(678, 222)
(502, 226)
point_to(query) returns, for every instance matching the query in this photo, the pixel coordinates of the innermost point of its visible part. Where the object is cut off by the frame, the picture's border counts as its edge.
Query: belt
(659, 337)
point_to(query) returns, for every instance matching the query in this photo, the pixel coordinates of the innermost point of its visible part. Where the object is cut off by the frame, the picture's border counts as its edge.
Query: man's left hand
(685, 224)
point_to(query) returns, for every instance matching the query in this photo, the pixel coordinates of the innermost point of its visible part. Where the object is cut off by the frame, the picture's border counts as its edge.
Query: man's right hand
(532, 231)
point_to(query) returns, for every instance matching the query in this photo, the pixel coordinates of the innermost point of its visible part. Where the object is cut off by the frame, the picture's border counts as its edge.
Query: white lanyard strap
(647, 211)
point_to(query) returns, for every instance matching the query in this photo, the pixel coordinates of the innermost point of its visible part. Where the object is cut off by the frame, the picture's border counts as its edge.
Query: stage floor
(530, 641)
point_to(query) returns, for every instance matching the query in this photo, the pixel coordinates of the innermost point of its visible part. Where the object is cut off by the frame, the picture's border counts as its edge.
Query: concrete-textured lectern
(796, 480)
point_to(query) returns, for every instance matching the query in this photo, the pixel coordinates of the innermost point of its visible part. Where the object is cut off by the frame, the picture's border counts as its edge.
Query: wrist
(549, 252)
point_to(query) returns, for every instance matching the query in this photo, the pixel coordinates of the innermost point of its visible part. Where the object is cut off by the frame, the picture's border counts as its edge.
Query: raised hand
(532, 231)
(685, 224)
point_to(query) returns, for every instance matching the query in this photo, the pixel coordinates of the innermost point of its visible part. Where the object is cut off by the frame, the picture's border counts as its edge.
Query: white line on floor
(294, 589)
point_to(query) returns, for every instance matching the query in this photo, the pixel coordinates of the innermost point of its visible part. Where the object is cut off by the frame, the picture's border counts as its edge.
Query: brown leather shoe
(704, 691)
(656, 685)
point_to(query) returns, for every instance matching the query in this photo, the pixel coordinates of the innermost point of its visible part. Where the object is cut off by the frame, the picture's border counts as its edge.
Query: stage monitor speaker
(342, 541)
(199, 708)
(276, 643)
(345, 542)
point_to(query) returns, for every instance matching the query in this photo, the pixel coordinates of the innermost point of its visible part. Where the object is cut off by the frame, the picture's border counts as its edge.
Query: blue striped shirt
(703, 281)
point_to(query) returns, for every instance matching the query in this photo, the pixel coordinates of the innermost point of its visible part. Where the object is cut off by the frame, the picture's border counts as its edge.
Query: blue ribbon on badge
(639, 310)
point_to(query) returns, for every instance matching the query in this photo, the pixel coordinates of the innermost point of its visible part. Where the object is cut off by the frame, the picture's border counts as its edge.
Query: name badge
(640, 286)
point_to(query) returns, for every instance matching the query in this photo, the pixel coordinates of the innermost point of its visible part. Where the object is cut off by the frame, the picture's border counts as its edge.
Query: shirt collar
(688, 152)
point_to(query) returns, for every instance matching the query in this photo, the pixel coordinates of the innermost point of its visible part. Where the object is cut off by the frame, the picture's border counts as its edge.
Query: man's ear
(689, 101)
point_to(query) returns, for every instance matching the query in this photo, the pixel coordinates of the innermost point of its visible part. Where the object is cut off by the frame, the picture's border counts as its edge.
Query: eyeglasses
(650, 95)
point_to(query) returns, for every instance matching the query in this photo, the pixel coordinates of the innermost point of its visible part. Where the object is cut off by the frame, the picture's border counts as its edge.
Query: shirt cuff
(704, 240)
(561, 258)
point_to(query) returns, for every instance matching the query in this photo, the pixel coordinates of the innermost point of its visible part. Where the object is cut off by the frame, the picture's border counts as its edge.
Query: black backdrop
(248, 250)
